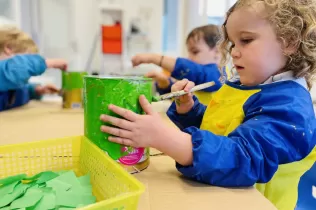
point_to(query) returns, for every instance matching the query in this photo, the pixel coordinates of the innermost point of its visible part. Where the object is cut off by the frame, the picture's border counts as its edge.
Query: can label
(134, 156)
(76, 105)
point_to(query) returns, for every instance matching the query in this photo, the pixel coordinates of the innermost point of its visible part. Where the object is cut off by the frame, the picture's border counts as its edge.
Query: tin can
(72, 89)
(124, 92)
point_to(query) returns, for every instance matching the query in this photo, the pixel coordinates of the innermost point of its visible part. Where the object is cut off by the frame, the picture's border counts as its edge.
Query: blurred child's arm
(32, 91)
(167, 63)
(181, 68)
(197, 73)
(37, 91)
(16, 71)
(271, 135)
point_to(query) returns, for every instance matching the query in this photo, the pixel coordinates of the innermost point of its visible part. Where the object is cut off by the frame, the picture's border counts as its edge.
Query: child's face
(201, 53)
(256, 51)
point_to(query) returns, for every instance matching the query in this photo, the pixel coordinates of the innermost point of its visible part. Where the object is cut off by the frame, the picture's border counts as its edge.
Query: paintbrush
(182, 92)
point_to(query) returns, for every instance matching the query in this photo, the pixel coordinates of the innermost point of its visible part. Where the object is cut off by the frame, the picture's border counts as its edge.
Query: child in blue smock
(16, 68)
(257, 131)
(202, 47)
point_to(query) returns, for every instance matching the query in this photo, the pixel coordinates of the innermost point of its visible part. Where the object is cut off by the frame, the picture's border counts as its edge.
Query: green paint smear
(99, 93)
(72, 80)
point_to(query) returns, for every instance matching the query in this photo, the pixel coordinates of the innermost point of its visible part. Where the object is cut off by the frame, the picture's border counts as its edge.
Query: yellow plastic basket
(114, 188)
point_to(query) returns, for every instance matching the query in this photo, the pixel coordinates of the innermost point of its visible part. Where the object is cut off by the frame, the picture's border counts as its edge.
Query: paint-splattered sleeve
(16, 71)
(192, 118)
(277, 129)
(197, 73)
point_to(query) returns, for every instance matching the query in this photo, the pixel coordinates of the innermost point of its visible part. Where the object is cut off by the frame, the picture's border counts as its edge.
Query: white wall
(6, 9)
(191, 14)
(67, 29)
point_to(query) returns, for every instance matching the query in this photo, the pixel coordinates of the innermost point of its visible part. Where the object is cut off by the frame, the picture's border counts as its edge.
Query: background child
(16, 69)
(202, 48)
(259, 130)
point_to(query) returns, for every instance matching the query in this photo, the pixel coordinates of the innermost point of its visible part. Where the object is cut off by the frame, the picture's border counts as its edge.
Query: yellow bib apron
(224, 114)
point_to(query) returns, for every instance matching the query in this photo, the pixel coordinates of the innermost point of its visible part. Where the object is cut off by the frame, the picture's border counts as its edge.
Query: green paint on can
(72, 89)
(72, 80)
(124, 92)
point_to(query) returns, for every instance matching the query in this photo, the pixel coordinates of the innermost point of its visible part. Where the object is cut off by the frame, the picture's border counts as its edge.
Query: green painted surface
(72, 80)
(99, 93)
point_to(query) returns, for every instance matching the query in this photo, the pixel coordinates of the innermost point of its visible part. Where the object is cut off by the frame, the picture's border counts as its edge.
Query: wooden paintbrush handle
(182, 92)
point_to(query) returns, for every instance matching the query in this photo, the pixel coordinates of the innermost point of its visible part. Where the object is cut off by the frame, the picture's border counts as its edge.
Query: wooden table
(165, 187)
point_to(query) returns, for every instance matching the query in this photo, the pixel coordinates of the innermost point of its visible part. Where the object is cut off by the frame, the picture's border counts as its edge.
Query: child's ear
(289, 48)
(7, 51)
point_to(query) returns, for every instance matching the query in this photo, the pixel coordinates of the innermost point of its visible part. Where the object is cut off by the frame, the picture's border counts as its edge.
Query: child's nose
(235, 53)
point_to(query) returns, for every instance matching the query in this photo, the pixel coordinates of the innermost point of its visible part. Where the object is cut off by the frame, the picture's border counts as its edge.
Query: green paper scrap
(6, 189)
(33, 190)
(8, 198)
(86, 190)
(84, 180)
(46, 176)
(70, 178)
(12, 179)
(48, 201)
(27, 200)
(71, 199)
(46, 190)
(58, 185)
(61, 172)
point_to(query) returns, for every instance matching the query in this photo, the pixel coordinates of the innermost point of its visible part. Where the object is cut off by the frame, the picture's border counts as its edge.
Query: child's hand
(145, 58)
(57, 64)
(134, 130)
(183, 103)
(46, 89)
(139, 131)
(161, 79)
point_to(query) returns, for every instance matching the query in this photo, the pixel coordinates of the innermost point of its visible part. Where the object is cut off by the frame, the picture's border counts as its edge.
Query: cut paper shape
(48, 201)
(12, 179)
(70, 178)
(84, 180)
(58, 185)
(71, 199)
(17, 192)
(26, 201)
(86, 190)
(8, 188)
(46, 176)
(46, 190)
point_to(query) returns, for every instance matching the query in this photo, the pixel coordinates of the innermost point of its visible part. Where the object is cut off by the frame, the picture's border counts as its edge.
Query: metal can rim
(119, 77)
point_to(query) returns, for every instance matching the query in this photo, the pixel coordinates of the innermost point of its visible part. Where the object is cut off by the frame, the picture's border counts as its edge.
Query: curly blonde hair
(294, 22)
(16, 40)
